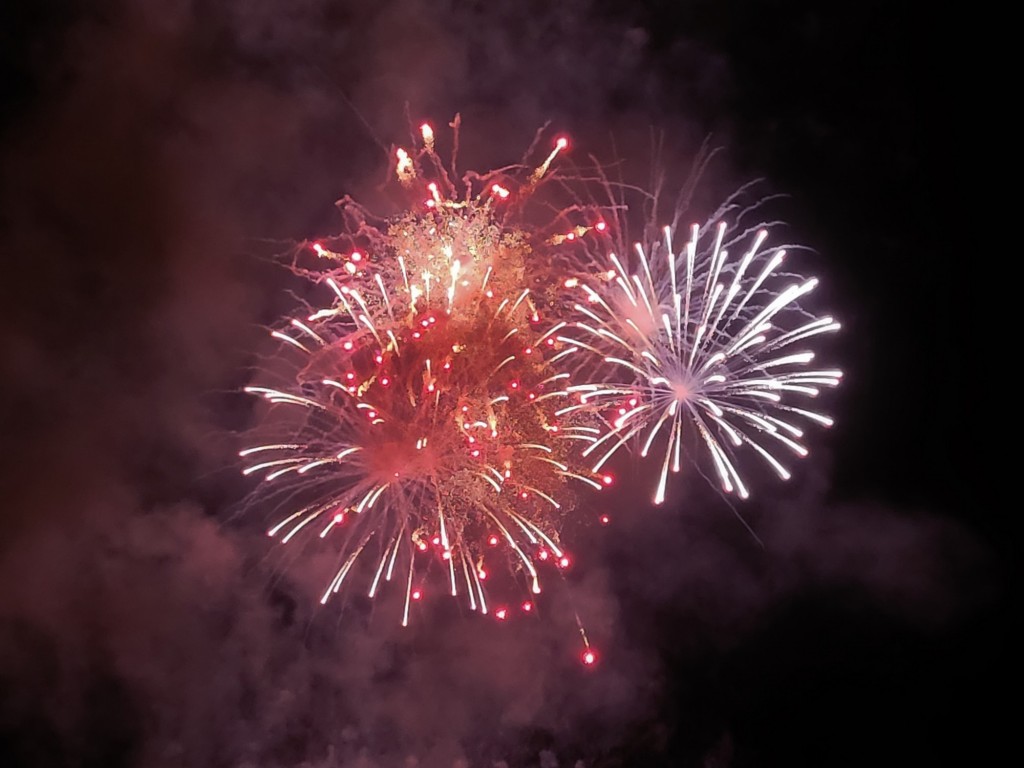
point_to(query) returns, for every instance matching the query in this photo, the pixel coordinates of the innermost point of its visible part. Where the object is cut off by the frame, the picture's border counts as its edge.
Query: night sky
(151, 155)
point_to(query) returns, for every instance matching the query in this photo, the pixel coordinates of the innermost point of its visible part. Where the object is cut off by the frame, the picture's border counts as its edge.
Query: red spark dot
(571, 236)
(318, 248)
(528, 351)
(475, 453)
(422, 545)
(632, 401)
(379, 359)
(588, 657)
(543, 554)
(430, 387)
(622, 411)
(605, 519)
(447, 366)
(339, 518)
(347, 345)
(527, 606)
(469, 439)
(493, 541)
(429, 203)
(465, 408)
(535, 318)
(431, 319)
(551, 342)
(524, 495)
(357, 256)
(350, 376)
(424, 323)
(416, 594)
(489, 293)
(607, 479)
(432, 187)
(562, 142)
(601, 226)
(563, 562)
(385, 381)
(532, 396)
(436, 540)
(416, 334)
(482, 575)
(372, 414)
(446, 555)
(514, 385)
(501, 613)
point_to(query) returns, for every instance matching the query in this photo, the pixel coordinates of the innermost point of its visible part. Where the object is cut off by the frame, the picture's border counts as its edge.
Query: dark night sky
(149, 149)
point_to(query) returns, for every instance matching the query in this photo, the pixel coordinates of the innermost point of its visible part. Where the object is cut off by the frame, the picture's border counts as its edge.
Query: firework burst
(707, 339)
(417, 424)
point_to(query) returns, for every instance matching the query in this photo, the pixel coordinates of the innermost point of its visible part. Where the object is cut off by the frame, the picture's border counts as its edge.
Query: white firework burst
(700, 339)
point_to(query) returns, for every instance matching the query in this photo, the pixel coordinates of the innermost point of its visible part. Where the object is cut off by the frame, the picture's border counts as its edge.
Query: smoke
(152, 149)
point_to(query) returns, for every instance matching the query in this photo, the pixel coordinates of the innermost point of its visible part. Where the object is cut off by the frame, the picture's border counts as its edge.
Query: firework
(416, 425)
(465, 372)
(708, 339)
